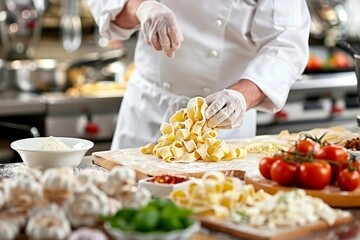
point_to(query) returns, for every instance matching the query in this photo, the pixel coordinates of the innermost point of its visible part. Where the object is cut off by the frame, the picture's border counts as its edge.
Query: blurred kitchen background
(59, 77)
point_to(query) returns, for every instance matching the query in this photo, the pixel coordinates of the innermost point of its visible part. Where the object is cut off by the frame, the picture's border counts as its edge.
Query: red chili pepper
(168, 179)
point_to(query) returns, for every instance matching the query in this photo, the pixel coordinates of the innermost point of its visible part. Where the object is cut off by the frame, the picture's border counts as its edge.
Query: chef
(241, 55)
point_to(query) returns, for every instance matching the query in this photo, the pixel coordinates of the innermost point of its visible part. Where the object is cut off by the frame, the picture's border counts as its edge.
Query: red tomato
(305, 147)
(284, 173)
(340, 60)
(265, 165)
(336, 155)
(314, 63)
(348, 180)
(356, 165)
(314, 175)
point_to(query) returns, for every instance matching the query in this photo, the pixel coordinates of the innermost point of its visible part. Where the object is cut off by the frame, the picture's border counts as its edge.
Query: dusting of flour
(52, 143)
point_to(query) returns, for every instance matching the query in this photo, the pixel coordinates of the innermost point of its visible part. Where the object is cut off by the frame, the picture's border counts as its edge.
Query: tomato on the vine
(284, 173)
(348, 180)
(314, 174)
(265, 164)
(304, 147)
(336, 155)
(356, 165)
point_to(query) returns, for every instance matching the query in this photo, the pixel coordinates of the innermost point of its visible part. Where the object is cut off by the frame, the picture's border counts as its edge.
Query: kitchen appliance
(315, 101)
(355, 52)
(91, 118)
(4, 80)
(11, 132)
(21, 116)
(25, 114)
(329, 20)
(38, 75)
(20, 27)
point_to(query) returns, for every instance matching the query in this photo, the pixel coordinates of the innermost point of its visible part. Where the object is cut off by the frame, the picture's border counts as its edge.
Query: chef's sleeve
(280, 31)
(104, 12)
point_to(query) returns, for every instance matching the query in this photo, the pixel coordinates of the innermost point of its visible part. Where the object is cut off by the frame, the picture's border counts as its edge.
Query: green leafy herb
(161, 215)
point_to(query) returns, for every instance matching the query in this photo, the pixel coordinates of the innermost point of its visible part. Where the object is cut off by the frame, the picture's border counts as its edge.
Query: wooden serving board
(149, 165)
(332, 195)
(243, 231)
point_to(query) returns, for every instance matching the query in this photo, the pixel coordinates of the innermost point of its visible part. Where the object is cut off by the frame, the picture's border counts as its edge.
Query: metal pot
(4, 79)
(40, 75)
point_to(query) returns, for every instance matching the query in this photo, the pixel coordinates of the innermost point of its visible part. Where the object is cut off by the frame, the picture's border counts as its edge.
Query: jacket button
(206, 90)
(219, 22)
(214, 53)
(166, 85)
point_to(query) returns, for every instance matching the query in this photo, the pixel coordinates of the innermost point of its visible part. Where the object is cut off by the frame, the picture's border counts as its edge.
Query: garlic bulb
(58, 184)
(2, 199)
(24, 193)
(16, 215)
(90, 176)
(8, 230)
(118, 178)
(48, 223)
(86, 205)
(88, 234)
(135, 197)
(114, 205)
(26, 172)
(58, 179)
(3, 185)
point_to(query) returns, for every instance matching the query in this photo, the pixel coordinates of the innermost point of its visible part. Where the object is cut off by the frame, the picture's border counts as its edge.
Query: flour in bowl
(52, 143)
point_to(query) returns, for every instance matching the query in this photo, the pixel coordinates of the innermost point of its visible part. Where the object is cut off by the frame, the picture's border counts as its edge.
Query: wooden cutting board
(243, 231)
(331, 195)
(149, 165)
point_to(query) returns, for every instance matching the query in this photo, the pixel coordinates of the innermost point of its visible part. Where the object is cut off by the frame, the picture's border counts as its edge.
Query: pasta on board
(217, 196)
(187, 138)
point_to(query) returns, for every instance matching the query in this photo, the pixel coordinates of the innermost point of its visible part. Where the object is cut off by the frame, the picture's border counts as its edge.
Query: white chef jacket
(265, 41)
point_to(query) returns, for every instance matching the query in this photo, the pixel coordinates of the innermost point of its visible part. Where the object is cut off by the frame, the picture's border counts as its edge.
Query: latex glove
(226, 109)
(159, 27)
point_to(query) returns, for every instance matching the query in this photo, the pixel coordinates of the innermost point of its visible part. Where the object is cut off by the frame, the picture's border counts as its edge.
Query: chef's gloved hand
(159, 27)
(226, 109)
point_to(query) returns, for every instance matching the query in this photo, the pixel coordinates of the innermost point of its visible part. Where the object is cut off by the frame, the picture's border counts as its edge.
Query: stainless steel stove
(316, 101)
(92, 118)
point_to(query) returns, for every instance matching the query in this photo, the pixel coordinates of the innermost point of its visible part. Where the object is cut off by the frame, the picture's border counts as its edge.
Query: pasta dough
(187, 138)
(217, 196)
(288, 209)
(332, 135)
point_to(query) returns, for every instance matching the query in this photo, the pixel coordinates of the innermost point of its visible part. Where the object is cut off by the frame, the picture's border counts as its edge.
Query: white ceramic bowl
(163, 189)
(355, 153)
(44, 159)
(179, 234)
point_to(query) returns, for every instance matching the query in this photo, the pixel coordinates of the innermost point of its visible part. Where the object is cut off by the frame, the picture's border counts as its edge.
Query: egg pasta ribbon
(217, 196)
(187, 138)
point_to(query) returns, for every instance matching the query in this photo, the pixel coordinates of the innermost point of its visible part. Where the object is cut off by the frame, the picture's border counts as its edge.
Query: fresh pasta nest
(187, 138)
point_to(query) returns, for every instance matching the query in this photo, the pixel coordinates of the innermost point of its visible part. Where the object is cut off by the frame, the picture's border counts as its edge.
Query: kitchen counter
(14, 102)
(349, 231)
(23, 103)
(326, 81)
(19, 103)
